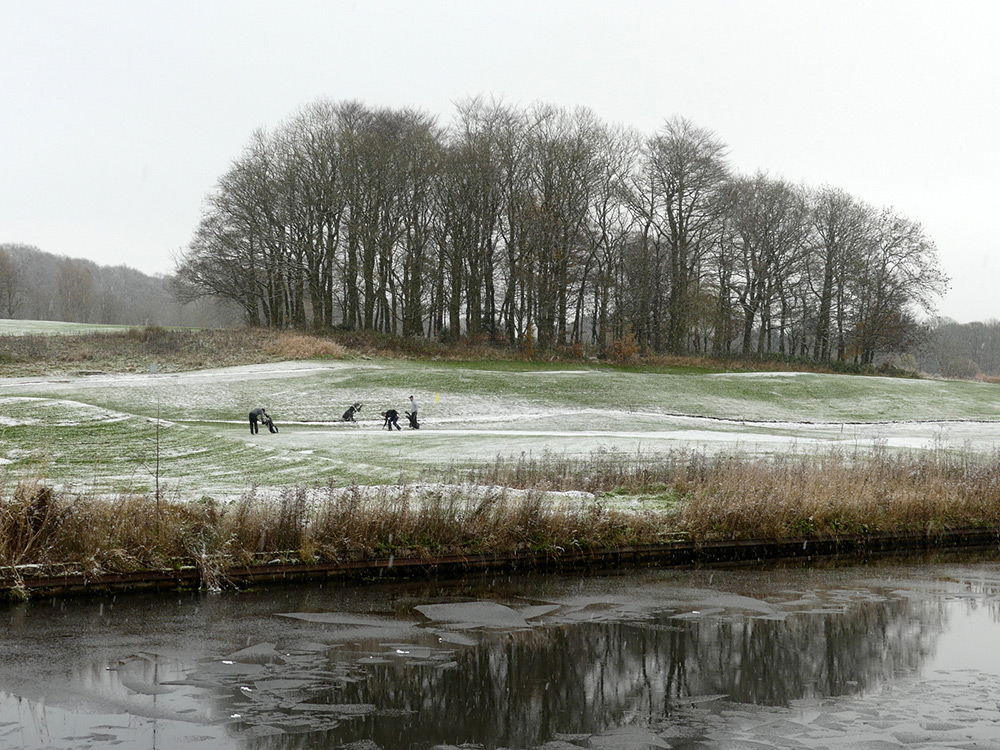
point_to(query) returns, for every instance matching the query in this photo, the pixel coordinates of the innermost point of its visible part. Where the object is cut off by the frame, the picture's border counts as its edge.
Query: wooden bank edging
(715, 552)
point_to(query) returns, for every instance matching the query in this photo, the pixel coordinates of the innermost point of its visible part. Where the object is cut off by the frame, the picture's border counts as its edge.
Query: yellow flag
(436, 399)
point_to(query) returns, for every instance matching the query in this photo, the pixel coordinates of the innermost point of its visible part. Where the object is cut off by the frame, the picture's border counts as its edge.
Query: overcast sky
(118, 116)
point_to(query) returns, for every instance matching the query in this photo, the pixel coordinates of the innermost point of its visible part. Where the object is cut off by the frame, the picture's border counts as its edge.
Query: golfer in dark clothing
(258, 415)
(391, 419)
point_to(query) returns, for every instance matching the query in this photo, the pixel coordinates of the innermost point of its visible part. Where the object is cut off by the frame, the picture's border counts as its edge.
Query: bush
(301, 346)
(624, 349)
(961, 367)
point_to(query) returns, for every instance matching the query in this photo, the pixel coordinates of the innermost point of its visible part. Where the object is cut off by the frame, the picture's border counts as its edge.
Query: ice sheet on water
(279, 685)
(412, 651)
(538, 610)
(345, 709)
(342, 618)
(227, 667)
(586, 600)
(745, 603)
(680, 602)
(484, 614)
(697, 614)
(306, 649)
(145, 688)
(457, 639)
(626, 738)
(258, 653)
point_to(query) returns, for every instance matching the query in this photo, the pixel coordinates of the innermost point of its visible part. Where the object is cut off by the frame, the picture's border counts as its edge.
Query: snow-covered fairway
(100, 431)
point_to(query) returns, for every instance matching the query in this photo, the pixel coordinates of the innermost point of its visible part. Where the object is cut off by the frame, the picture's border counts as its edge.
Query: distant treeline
(961, 350)
(35, 285)
(548, 227)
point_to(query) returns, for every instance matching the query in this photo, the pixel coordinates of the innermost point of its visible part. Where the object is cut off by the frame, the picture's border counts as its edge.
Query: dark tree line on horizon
(35, 285)
(547, 227)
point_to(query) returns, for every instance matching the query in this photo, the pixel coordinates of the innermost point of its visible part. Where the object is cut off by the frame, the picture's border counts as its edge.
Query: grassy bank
(506, 508)
(66, 348)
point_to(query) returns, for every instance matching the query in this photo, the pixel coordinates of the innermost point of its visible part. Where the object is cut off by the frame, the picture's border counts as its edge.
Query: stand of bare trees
(548, 227)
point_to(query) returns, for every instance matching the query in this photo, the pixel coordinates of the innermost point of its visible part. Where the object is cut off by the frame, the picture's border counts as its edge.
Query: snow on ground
(196, 420)
(764, 374)
(11, 327)
(53, 412)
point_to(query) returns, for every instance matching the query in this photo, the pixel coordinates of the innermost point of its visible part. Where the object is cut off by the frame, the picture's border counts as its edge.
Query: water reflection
(513, 663)
(521, 689)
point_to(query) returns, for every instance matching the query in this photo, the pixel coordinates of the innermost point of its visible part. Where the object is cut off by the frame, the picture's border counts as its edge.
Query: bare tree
(767, 240)
(471, 204)
(686, 167)
(608, 230)
(231, 249)
(563, 174)
(512, 143)
(321, 151)
(76, 290)
(12, 288)
(545, 224)
(840, 223)
(897, 277)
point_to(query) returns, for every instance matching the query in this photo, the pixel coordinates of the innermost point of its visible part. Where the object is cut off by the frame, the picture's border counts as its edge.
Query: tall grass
(603, 471)
(508, 507)
(738, 496)
(127, 533)
(301, 346)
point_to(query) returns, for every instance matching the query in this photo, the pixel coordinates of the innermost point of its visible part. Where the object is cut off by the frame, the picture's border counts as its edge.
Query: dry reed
(303, 346)
(507, 507)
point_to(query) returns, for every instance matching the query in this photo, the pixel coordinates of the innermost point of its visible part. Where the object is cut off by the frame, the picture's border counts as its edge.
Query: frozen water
(473, 614)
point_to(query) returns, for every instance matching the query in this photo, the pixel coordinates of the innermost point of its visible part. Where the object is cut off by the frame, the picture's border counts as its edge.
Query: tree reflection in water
(522, 688)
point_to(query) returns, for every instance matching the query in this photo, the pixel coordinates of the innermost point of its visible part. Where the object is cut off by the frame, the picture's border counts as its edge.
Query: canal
(888, 654)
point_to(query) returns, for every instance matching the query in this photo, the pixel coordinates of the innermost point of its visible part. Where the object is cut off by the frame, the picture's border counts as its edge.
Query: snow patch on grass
(765, 374)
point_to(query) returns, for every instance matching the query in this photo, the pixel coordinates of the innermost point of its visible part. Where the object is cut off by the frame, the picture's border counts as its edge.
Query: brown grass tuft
(302, 346)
